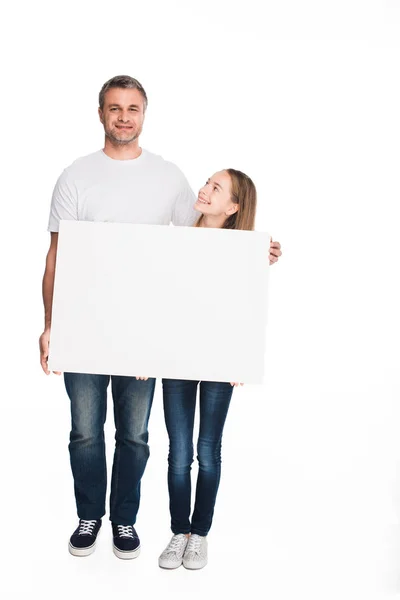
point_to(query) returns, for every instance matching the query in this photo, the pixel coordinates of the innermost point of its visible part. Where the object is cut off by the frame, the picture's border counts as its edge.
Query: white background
(304, 97)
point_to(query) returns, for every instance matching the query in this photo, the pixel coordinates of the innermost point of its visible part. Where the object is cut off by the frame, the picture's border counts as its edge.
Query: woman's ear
(232, 210)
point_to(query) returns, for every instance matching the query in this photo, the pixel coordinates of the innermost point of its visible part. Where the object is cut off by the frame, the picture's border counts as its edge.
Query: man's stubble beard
(121, 142)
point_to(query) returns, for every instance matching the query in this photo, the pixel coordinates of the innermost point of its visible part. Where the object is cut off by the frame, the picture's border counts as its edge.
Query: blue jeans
(132, 404)
(179, 410)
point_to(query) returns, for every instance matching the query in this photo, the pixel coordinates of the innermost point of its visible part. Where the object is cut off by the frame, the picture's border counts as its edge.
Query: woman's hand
(235, 383)
(142, 378)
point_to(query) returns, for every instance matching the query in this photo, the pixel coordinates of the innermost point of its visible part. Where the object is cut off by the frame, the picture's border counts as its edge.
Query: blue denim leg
(214, 404)
(88, 396)
(179, 398)
(132, 404)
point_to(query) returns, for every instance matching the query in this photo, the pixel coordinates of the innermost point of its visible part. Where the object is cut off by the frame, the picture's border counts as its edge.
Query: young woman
(227, 200)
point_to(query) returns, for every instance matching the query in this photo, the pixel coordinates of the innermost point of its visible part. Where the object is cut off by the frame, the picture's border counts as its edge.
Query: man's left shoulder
(167, 166)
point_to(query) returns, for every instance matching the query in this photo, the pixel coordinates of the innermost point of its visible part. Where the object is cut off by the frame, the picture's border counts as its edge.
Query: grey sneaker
(195, 556)
(172, 556)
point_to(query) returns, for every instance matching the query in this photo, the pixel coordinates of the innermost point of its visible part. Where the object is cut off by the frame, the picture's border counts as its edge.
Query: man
(121, 183)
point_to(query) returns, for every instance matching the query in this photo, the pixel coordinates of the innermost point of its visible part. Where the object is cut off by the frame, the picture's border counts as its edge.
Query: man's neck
(122, 151)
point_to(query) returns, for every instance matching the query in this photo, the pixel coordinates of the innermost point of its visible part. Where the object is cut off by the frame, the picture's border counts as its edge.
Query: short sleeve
(64, 203)
(183, 212)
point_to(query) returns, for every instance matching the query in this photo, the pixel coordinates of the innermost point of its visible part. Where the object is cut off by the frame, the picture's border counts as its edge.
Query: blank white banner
(157, 301)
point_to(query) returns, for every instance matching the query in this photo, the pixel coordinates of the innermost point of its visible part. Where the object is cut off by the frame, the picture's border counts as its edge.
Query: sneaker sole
(196, 568)
(169, 567)
(126, 554)
(81, 551)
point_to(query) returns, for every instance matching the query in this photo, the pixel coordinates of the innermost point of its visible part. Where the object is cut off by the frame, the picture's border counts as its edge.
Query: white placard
(158, 301)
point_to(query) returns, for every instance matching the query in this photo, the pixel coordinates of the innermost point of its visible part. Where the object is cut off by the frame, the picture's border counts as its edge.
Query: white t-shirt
(147, 189)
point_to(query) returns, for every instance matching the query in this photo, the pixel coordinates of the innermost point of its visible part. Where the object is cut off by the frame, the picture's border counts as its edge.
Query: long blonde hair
(243, 193)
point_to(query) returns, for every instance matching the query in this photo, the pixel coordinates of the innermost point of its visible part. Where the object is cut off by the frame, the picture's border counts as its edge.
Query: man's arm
(183, 213)
(64, 205)
(47, 290)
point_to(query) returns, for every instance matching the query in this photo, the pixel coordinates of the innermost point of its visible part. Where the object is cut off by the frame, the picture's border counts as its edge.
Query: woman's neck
(213, 221)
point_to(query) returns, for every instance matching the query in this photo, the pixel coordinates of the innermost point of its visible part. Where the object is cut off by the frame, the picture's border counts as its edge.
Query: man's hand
(235, 383)
(274, 252)
(44, 342)
(142, 378)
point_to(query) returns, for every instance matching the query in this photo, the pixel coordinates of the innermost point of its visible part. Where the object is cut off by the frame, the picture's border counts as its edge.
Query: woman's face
(214, 197)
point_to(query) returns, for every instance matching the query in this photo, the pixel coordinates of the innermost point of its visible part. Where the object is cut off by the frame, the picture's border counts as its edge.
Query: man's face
(122, 115)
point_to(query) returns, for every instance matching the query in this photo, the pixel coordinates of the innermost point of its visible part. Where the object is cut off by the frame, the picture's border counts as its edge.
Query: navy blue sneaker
(83, 541)
(126, 541)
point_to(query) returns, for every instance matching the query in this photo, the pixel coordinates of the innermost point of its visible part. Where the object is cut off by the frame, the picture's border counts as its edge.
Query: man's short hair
(122, 81)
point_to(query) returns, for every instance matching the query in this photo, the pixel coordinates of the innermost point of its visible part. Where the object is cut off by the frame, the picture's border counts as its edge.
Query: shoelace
(86, 527)
(125, 531)
(194, 544)
(176, 543)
